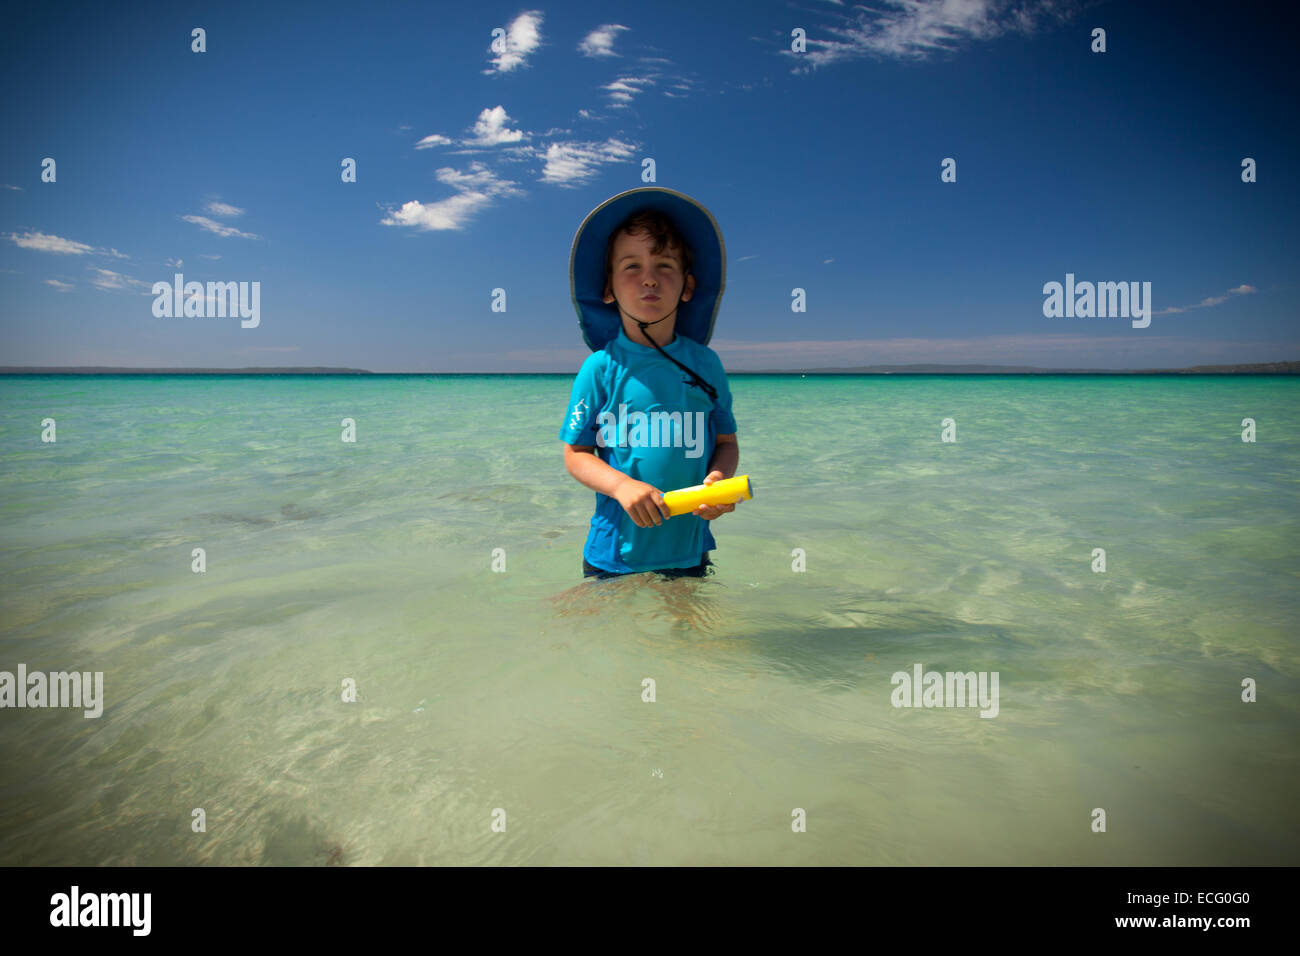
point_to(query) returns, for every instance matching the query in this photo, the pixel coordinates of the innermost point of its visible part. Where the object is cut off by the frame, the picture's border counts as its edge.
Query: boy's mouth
(650, 298)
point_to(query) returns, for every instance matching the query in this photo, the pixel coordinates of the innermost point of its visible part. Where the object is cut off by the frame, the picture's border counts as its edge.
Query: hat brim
(600, 322)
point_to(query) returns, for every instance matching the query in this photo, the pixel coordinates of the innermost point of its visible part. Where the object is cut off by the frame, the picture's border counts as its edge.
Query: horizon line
(932, 368)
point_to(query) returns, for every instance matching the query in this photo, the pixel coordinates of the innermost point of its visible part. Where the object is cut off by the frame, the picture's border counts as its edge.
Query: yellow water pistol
(728, 491)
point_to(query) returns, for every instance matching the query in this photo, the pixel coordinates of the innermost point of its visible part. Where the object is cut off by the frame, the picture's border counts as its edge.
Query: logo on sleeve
(579, 413)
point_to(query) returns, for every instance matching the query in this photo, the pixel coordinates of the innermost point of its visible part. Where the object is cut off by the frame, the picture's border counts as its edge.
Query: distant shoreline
(1264, 368)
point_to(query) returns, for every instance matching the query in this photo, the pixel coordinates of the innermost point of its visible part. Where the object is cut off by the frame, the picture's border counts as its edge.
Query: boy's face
(646, 287)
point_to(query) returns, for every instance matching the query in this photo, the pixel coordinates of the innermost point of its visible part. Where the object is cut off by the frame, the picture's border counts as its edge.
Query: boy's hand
(709, 512)
(643, 503)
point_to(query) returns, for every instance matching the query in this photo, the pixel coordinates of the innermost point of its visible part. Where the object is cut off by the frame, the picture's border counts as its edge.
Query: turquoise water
(477, 690)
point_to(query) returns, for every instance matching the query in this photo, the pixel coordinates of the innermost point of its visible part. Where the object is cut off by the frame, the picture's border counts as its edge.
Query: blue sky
(475, 168)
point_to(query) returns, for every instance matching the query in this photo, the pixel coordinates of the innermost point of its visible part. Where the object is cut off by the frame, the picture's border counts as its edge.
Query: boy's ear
(608, 297)
(689, 288)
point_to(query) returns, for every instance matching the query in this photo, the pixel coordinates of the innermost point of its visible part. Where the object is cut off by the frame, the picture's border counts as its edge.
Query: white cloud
(475, 190)
(1208, 301)
(219, 228)
(61, 286)
(915, 29)
(575, 163)
(600, 41)
(489, 129)
(223, 209)
(523, 36)
(172, 263)
(434, 139)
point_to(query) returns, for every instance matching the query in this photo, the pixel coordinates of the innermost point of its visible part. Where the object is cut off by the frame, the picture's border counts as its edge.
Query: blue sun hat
(600, 322)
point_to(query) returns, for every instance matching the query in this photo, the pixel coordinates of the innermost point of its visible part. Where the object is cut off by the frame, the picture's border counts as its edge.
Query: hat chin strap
(695, 379)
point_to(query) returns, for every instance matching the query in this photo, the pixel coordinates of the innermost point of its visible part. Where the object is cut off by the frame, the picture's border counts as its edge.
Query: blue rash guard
(646, 420)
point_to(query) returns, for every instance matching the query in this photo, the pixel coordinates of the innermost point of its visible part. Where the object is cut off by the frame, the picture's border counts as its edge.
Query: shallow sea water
(372, 562)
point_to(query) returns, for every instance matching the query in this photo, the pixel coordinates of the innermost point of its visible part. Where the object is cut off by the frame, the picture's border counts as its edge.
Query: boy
(650, 408)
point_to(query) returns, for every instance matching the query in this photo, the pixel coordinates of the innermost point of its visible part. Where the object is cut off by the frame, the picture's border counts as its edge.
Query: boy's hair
(660, 228)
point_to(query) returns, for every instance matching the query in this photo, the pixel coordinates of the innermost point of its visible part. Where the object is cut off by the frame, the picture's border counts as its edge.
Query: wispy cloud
(522, 37)
(220, 229)
(115, 281)
(651, 71)
(600, 41)
(918, 29)
(475, 190)
(574, 163)
(625, 88)
(61, 286)
(7, 186)
(1209, 301)
(43, 242)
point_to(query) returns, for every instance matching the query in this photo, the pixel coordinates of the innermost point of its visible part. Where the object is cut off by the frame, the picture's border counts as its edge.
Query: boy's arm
(643, 503)
(726, 457)
(582, 463)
